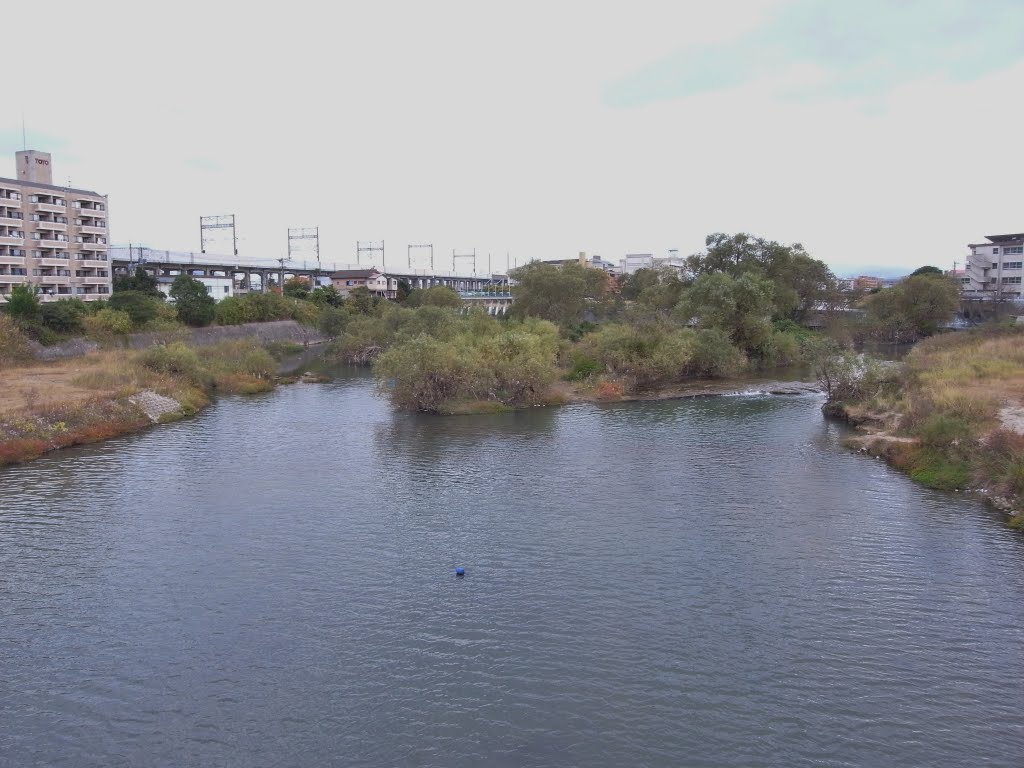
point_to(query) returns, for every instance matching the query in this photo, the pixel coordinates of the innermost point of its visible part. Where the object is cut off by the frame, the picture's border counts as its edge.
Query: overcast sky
(878, 133)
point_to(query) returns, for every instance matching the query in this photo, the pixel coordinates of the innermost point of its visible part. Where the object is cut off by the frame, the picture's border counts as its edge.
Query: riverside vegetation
(952, 417)
(740, 305)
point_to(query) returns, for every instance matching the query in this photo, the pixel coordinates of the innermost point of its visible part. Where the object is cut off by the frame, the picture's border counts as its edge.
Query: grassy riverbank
(954, 417)
(106, 394)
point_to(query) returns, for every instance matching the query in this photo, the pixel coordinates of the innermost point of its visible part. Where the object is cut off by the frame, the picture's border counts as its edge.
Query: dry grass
(71, 402)
(950, 399)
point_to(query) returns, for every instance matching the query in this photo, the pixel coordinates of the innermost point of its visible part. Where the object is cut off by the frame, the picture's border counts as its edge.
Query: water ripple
(710, 582)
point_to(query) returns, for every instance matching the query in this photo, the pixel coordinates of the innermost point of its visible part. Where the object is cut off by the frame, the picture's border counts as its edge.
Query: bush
(583, 367)
(14, 345)
(178, 359)
(142, 308)
(714, 356)
(333, 321)
(433, 360)
(782, 348)
(425, 374)
(107, 323)
(436, 296)
(23, 305)
(264, 308)
(64, 316)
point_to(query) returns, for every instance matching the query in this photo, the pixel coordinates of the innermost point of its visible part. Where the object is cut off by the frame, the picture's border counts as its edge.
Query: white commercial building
(994, 269)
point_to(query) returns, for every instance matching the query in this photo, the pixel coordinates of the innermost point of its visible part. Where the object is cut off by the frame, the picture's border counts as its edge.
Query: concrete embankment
(278, 330)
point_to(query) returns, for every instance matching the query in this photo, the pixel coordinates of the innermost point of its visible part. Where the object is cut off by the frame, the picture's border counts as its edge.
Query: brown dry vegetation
(70, 402)
(950, 400)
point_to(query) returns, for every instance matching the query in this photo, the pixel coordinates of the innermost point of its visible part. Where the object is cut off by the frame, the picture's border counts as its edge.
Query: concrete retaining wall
(279, 330)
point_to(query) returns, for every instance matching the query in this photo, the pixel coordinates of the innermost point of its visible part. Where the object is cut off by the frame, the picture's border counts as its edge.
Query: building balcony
(49, 208)
(53, 261)
(10, 240)
(101, 247)
(45, 280)
(11, 261)
(10, 221)
(6, 199)
(54, 226)
(14, 279)
(45, 241)
(91, 229)
(91, 260)
(93, 280)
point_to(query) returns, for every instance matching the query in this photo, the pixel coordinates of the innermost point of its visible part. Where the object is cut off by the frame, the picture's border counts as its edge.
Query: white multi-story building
(994, 269)
(635, 261)
(52, 237)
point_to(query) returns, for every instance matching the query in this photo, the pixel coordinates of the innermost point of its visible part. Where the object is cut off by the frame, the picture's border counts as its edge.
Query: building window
(1011, 280)
(995, 251)
(1013, 265)
(225, 289)
(1014, 250)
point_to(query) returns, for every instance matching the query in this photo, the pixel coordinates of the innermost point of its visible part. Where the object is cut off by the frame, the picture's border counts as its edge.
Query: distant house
(347, 280)
(218, 287)
(868, 282)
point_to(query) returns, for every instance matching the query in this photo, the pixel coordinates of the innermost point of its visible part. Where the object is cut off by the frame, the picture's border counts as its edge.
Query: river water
(713, 582)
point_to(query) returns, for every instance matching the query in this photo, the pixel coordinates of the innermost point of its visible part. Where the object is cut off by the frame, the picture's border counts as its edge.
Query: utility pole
(280, 274)
(370, 247)
(421, 245)
(207, 223)
(463, 256)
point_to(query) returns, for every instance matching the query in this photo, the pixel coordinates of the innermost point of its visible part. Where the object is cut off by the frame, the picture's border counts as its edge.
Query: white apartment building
(994, 269)
(635, 261)
(51, 236)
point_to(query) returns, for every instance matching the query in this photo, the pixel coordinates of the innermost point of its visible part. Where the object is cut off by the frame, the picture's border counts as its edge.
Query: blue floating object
(460, 571)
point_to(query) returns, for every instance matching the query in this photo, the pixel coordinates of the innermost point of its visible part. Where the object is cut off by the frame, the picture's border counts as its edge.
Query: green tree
(23, 305)
(194, 304)
(916, 307)
(559, 293)
(435, 296)
(297, 287)
(64, 316)
(634, 284)
(362, 301)
(742, 307)
(333, 321)
(140, 281)
(800, 283)
(140, 307)
(326, 296)
(926, 270)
